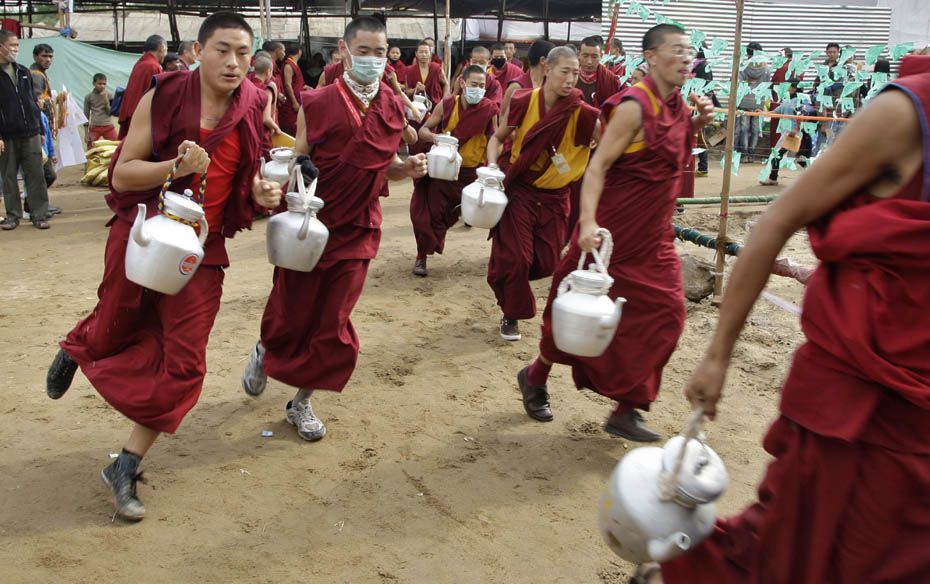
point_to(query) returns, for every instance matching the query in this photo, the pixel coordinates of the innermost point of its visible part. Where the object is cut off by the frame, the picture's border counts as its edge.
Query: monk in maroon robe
(352, 128)
(435, 205)
(263, 78)
(293, 80)
(140, 80)
(335, 71)
(504, 72)
(481, 57)
(630, 189)
(143, 351)
(845, 499)
(510, 52)
(597, 84)
(532, 78)
(425, 77)
(552, 132)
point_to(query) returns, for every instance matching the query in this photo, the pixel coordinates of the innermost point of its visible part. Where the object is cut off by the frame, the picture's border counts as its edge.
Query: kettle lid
(282, 154)
(447, 139)
(486, 172)
(703, 476)
(300, 204)
(183, 206)
(591, 281)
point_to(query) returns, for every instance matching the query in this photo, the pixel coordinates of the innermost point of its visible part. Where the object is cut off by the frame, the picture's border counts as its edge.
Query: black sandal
(41, 224)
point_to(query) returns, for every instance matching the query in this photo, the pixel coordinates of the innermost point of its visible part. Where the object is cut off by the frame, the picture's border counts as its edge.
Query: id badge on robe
(561, 165)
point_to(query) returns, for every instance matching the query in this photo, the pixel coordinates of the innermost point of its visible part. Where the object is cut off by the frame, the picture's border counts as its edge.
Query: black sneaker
(510, 329)
(121, 476)
(630, 425)
(419, 268)
(60, 375)
(535, 398)
(9, 224)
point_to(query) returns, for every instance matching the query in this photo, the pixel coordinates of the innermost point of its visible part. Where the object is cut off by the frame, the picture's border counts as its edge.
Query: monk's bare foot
(648, 573)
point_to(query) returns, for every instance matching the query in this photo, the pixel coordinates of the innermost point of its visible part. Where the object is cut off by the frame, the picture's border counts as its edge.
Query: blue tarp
(76, 63)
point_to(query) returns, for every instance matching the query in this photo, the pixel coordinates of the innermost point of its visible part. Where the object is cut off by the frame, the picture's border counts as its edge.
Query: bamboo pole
(447, 57)
(745, 199)
(728, 158)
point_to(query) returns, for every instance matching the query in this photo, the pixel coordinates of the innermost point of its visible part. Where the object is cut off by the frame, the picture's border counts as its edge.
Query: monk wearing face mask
(471, 118)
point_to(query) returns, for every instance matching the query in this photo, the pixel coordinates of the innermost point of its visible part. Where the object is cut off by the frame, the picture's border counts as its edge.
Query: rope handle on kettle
(670, 481)
(602, 256)
(167, 184)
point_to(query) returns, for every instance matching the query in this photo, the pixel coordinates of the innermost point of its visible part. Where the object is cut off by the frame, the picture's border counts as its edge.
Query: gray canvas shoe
(254, 379)
(121, 477)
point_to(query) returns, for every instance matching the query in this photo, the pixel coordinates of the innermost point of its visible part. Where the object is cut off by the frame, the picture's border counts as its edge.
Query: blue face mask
(474, 95)
(366, 69)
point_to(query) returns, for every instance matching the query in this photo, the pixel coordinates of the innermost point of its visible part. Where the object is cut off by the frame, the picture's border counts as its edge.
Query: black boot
(121, 476)
(60, 375)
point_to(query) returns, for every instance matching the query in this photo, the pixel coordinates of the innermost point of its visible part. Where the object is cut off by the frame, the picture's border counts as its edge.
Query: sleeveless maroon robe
(435, 204)
(508, 74)
(636, 206)
(845, 499)
(287, 115)
(144, 351)
(309, 339)
(433, 85)
(525, 244)
(140, 81)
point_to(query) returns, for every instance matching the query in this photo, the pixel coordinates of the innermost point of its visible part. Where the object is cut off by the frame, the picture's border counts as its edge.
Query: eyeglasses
(680, 51)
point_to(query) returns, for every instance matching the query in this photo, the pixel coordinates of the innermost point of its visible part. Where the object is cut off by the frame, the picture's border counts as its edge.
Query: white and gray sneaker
(254, 379)
(309, 427)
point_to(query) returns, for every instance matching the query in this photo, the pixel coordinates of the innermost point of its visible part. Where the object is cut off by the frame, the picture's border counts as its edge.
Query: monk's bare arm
(289, 88)
(322, 81)
(496, 143)
(883, 134)
(505, 104)
(624, 124)
(268, 118)
(134, 171)
(400, 92)
(301, 145)
(426, 132)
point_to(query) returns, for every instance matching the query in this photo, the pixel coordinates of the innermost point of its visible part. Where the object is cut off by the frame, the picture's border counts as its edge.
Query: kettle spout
(663, 550)
(138, 227)
(611, 321)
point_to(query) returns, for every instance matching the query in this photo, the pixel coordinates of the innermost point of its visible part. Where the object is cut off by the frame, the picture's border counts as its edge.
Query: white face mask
(473, 95)
(368, 69)
(483, 67)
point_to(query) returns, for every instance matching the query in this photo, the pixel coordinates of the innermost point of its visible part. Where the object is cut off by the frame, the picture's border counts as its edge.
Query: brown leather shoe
(419, 268)
(535, 398)
(630, 425)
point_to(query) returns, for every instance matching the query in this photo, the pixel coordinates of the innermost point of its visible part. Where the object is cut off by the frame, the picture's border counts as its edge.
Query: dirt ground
(430, 471)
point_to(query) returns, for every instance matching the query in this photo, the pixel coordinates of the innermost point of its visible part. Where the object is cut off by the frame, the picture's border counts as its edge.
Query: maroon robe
(636, 206)
(526, 242)
(435, 204)
(309, 339)
(517, 62)
(334, 71)
(287, 115)
(507, 74)
(606, 84)
(433, 84)
(845, 499)
(140, 80)
(525, 81)
(142, 350)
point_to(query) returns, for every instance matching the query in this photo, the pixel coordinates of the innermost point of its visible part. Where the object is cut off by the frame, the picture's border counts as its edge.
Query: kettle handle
(670, 481)
(602, 256)
(170, 179)
(304, 227)
(204, 231)
(565, 285)
(481, 202)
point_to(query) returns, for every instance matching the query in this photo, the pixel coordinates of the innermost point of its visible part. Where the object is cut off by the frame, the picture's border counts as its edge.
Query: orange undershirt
(224, 162)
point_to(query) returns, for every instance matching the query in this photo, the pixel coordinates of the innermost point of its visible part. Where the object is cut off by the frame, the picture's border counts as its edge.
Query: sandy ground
(430, 471)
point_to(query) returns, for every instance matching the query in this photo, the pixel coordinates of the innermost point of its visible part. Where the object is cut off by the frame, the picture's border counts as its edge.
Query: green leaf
(873, 53)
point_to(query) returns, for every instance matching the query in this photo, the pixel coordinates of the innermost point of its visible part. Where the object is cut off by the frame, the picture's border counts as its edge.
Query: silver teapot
(296, 238)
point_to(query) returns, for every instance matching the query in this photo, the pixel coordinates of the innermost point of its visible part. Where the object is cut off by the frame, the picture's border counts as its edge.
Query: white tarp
(483, 29)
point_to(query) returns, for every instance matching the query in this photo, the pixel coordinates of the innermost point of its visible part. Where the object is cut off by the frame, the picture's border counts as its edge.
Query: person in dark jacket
(20, 142)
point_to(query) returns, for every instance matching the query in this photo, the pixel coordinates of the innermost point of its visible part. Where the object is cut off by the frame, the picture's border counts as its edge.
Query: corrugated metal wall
(775, 26)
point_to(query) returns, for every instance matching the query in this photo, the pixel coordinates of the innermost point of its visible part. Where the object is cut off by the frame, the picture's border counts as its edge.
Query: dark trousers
(24, 154)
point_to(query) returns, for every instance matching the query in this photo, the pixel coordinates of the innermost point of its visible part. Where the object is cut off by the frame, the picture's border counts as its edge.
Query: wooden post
(436, 22)
(728, 158)
(500, 19)
(546, 19)
(115, 28)
(447, 57)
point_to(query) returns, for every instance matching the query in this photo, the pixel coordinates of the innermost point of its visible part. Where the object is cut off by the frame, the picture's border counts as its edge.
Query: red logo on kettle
(188, 265)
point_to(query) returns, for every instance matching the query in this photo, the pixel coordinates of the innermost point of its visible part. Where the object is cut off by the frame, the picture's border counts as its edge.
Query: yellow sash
(475, 150)
(576, 156)
(638, 145)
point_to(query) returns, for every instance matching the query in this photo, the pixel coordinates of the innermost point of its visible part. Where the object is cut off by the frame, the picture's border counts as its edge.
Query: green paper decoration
(900, 50)
(697, 39)
(851, 88)
(718, 46)
(873, 53)
(785, 125)
(734, 167)
(809, 128)
(847, 54)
